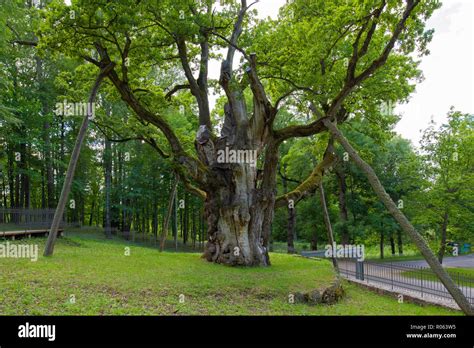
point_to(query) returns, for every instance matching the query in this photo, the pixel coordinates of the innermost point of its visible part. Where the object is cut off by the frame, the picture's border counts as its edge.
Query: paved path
(463, 261)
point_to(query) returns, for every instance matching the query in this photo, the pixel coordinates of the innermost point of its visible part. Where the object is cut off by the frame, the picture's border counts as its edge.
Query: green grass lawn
(465, 271)
(104, 281)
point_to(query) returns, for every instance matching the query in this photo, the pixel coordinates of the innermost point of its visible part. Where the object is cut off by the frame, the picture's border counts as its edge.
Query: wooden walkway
(27, 233)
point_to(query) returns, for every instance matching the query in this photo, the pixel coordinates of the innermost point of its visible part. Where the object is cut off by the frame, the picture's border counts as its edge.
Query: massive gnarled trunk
(238, 209)
(235, 214)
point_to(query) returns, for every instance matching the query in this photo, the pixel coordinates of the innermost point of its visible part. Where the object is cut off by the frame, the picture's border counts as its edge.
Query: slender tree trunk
(3, 216)
(314, 241)
(11, 183)
(291, 223)
(290, 231)
(444, 228)
(382, 245)
(164, 233)
(327, 222)
(70, 171)
(108, 188)
(193, 228)
(186, 220)
(121, 213)
(343, 216)
(399, 242)
(17, 187)
(25, 178)
(43, 190)
(175, 221)
(392, 244)
(155, 221)
(91, 216)
(417, 239)
(48, 165)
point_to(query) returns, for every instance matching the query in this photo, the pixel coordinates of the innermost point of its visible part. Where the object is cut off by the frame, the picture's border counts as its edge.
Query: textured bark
(235, 210)
(239, 204)
(407, 227)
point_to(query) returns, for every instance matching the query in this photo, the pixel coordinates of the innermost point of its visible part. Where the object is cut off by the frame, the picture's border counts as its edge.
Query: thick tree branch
(236, 34)
(195, 168)
(381, 60)
(198, 87)
(351, 82)
(311, 183)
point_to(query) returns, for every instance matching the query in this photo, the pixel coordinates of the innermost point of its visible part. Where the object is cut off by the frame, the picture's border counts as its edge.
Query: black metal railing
(421, 280)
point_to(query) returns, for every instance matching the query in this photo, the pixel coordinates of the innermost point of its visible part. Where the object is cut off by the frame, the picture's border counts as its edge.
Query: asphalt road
(462, 261)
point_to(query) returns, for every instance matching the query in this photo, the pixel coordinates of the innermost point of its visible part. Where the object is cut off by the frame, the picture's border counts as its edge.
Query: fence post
(470, 295)
(391, 272)
(359, 269)
(421, 277)
(362, 270)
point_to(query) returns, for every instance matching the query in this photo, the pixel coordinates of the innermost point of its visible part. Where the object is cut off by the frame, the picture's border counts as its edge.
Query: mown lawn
(104, 281)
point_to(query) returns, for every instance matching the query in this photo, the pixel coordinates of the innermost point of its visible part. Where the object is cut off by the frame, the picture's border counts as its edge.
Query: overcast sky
(448, 70)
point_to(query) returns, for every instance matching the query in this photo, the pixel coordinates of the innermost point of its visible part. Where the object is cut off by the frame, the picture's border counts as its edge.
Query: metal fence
(408, 277)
